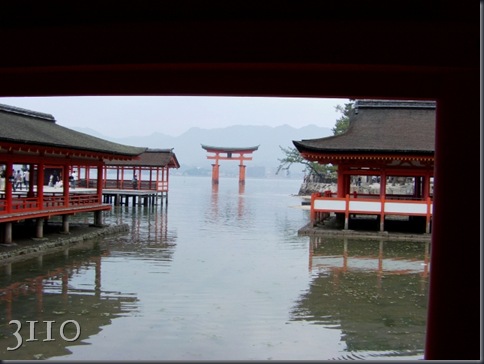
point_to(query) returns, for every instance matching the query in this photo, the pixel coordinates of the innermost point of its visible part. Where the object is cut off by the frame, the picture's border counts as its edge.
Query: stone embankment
(54, 242)
(307, 188)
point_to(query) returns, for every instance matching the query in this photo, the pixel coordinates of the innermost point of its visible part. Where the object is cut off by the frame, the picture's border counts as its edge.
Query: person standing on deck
(73, 179)
(18, 180)
(26, 179)
(135, 182)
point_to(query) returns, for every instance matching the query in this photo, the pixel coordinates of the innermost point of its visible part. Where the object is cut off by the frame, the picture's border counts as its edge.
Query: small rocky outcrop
(314, 183)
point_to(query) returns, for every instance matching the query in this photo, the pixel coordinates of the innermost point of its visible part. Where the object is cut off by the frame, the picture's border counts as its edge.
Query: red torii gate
(228, 154)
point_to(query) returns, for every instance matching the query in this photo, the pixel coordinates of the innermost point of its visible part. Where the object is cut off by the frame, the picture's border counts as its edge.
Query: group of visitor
(55, 180)
(19, 179)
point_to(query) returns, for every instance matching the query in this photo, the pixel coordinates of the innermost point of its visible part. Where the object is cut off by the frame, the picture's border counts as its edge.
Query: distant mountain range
(190, 154)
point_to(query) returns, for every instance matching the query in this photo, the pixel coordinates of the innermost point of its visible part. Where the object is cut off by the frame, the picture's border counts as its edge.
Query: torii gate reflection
(228, 154)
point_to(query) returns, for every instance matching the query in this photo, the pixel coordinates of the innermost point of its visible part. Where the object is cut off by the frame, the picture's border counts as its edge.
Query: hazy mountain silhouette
(190, 154)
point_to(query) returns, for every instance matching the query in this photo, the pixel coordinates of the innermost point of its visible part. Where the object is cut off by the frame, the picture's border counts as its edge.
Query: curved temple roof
(380, 127)
(21, 126)
(150, 158)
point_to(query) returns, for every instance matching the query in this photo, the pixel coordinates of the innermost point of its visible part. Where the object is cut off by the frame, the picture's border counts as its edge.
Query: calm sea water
(219, 274)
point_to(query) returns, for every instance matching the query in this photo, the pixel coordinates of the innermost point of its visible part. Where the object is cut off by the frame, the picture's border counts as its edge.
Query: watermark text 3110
(48, 328)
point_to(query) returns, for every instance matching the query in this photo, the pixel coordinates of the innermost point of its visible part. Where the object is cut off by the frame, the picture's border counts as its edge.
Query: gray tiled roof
(377, 126)
(150, 158)
(21, 126)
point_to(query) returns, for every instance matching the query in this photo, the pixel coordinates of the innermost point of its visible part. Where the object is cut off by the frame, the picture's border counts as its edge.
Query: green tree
(292, 156)
(343, 123)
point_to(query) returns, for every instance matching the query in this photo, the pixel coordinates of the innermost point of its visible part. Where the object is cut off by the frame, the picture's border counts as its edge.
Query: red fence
(50, 202)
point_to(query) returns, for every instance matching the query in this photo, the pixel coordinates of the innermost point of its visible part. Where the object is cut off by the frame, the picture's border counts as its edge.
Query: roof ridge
(407, 104)
(26, 112)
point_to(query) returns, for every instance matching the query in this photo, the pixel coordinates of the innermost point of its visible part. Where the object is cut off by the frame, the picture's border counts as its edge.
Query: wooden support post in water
(347, 213)
(65, 224)
(98, 218)
(39, 228)
(382, 222)
(7, 237)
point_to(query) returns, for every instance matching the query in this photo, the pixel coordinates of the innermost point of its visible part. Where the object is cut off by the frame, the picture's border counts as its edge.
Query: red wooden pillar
(30, 193)
(140, 178)
(8, 186)
(99, 183)
(40, 185)
(122, 177)
(88, 170)
(158, 178)
(65, 184)
(340, 187)
(383, 194)
(7, 227)
(215, 173)
(167, 178)
(241, 173)
(426, 186)
(454, 308)
(151, 179)
(105, 171)
(215, 170)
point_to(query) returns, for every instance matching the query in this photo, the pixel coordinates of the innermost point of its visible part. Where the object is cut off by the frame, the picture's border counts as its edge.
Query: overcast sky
(173, 115)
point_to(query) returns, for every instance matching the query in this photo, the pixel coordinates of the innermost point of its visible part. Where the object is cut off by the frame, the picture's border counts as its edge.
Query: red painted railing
(25, 204)
(50, 202)
(162, 186)
(322, 206)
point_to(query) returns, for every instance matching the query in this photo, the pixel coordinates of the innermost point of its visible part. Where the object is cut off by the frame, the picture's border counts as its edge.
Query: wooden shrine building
(33, 140)
(222, 153)
(148, 174)
(386, 141)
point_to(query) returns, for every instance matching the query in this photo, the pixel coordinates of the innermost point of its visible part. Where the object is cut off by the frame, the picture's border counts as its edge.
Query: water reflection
(53, 288)
(148, 224)
(226, 211)
(374, 292)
